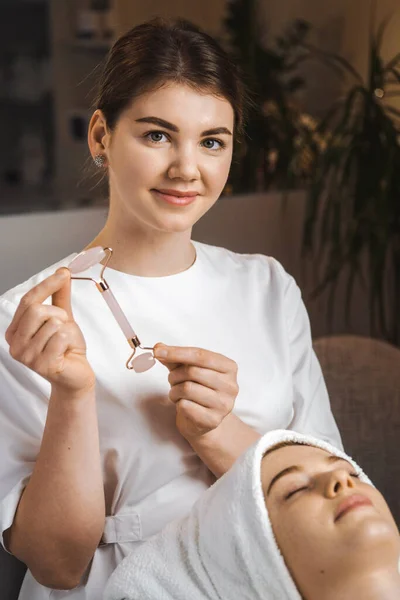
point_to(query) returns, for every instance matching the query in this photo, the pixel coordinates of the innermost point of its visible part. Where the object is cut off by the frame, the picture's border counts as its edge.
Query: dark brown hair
(161, 51)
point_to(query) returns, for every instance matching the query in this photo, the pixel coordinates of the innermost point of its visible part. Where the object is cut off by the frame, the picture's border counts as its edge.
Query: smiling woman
(95, 458)
(166, 168)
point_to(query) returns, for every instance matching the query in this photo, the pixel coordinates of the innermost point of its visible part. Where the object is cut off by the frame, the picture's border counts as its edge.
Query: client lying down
(293, 518)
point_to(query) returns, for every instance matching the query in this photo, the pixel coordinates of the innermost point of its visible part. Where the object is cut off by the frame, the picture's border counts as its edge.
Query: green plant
(353, 210)
(272, 79)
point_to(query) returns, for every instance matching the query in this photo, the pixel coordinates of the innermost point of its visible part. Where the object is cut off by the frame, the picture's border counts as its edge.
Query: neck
(383, 584)
(144, 253)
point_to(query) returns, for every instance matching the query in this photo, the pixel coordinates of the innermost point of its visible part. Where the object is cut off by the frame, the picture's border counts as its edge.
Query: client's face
(327, 522)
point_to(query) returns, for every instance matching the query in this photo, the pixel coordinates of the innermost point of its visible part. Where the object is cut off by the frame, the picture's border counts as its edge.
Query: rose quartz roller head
(89, 258)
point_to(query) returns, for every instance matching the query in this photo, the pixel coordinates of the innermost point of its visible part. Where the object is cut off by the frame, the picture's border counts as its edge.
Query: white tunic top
(243, 306)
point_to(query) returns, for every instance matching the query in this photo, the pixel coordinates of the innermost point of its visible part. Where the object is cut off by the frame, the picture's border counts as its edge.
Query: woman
(95, 458)
(294, 518)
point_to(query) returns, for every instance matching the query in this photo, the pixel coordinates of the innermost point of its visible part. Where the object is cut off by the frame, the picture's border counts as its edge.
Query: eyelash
(295, 492)
(148, 135)
(301, 489)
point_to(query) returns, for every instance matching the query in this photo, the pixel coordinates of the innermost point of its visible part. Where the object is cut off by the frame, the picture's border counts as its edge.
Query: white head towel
(224, 549)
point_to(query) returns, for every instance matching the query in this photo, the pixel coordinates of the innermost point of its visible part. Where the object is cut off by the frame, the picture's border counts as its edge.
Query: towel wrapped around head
(224, 549)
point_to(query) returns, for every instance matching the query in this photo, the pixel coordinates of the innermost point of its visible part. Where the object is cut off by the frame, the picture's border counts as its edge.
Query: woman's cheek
(218, 172)
(290, 523)
(143, 166)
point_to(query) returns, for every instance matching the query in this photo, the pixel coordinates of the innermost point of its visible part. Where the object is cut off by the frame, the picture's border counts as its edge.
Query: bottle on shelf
(96, 22)
(33, 158)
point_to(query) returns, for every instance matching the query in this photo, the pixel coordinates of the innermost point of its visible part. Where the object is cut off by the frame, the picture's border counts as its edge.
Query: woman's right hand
(46, 338)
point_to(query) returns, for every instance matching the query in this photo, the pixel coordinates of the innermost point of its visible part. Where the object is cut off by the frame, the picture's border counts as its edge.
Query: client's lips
(351, 502)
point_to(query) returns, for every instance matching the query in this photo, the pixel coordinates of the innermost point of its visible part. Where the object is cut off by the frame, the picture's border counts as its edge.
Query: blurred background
(316, 184)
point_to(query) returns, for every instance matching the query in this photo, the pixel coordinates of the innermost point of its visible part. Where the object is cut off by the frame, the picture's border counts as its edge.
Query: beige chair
(363, 380)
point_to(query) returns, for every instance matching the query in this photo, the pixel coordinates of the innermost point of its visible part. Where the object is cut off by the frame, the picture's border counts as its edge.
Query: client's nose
(338, 480)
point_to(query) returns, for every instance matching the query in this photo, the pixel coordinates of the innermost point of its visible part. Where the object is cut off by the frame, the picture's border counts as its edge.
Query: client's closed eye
(302, 488)
(293, 492)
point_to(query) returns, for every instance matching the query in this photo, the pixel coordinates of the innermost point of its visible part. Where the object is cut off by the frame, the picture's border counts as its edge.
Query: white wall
(254, 223)
(30, 242)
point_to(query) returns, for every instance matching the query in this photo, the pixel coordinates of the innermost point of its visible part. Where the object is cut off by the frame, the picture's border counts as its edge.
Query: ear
(98, 134)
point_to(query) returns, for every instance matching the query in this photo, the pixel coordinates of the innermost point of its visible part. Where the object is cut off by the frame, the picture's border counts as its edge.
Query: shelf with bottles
(26, 98)
(93, 25)
(25, 79)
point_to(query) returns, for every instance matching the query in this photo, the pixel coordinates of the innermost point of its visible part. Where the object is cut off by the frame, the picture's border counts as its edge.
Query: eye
(213, 144)
(355, 475)
(156, 137)
(296, 491)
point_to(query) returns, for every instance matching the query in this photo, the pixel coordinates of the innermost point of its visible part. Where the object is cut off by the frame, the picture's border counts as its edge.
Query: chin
(369, 531)
(174, 226)
(176, 223)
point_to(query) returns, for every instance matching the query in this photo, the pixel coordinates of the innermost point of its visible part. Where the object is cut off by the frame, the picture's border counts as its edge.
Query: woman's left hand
(203, 387)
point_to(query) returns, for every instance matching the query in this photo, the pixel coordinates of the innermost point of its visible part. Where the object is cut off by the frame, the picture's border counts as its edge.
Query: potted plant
(352, 223)
(277, 134)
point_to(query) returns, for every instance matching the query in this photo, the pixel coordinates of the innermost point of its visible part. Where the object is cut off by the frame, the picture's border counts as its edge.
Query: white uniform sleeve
(23, 407)
(312, 411)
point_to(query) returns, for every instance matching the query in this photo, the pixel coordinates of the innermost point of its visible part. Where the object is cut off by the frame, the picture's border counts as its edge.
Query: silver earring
(99, 160)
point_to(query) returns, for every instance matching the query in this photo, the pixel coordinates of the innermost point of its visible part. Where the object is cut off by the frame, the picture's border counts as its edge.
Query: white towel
(224, 549)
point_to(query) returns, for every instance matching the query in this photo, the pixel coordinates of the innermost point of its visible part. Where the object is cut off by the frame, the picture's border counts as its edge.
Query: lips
(176, 197)
(351, 502)
(178, 193)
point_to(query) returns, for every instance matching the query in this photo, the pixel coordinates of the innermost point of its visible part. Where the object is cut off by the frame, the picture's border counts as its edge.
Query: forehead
(183, 106)
(295, 454)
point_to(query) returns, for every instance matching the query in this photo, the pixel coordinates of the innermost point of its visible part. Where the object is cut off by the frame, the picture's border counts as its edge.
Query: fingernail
(160, 352)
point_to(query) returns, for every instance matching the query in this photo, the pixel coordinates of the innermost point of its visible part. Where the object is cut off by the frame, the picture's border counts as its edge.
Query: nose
(338, 481)
(184, 165)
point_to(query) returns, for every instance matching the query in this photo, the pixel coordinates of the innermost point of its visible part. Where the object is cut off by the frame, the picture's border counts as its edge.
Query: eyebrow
(175, 129)
(298, 469)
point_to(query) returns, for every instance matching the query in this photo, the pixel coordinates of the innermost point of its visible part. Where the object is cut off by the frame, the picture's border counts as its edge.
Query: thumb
(62, 297)
(158, 354)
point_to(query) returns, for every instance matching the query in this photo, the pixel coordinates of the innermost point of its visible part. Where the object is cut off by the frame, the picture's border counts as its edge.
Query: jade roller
(83, 261)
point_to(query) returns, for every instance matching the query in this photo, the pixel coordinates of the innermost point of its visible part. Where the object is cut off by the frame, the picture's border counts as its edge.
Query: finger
(53, 356)
(59, 344)
(202, 419)
(37, 294)
(62, 296)
(32, 320)
(160, 350)
(195, 393)
(174, 355)
(170, 365)
(29, 354)
(206, 377)
(45, 333)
